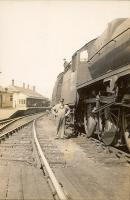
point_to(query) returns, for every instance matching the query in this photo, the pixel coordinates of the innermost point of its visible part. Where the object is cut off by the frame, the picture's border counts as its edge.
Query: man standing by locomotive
(60, 111)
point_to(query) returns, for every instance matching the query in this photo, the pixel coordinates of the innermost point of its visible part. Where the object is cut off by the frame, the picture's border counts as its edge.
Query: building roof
(28, 92)
(4, 90)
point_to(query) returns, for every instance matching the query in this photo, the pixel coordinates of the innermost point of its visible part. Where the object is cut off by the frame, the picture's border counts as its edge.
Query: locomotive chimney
(12, 82)
(34, 88)
(24, 85)
(6, 89)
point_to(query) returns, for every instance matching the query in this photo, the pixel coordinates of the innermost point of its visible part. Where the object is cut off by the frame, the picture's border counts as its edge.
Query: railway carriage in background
(96, 85)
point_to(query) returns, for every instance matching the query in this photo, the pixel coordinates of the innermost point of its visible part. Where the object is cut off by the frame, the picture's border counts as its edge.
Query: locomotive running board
(103, 107)
(110, 104)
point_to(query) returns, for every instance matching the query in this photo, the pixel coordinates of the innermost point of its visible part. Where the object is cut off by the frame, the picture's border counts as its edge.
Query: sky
(35, 36)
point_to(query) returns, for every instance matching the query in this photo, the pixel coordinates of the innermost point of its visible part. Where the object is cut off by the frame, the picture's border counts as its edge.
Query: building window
(11, 97)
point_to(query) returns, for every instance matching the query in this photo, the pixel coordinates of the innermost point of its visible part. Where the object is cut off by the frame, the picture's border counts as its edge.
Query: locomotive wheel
(126, 124)
(127, 138)
(110, 129)
(89, 124)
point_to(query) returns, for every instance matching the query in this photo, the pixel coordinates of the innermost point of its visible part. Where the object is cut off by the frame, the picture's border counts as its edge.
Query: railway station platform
(7, 112)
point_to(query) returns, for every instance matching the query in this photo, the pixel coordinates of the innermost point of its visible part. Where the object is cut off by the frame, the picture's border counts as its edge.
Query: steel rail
(55, 182)
(3, 135)
(7, 122)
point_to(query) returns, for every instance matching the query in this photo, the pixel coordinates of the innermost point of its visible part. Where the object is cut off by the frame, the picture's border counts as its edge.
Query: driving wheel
(126, 126)
(110, 128)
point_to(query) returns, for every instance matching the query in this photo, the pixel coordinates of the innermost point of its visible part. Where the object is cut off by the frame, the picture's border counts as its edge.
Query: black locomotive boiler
(96, 85)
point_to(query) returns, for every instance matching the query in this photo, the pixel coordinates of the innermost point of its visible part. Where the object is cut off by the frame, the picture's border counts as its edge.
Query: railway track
(79, 163)
(33, 146)
(18, 149)
(55, 185)
(109, 155)
(10, 125)
(5, 122)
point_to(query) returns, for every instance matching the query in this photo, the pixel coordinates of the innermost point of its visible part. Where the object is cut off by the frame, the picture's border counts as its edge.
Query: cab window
(84, 56)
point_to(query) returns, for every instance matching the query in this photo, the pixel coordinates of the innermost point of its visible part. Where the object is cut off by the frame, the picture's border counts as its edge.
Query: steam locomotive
(96, 85)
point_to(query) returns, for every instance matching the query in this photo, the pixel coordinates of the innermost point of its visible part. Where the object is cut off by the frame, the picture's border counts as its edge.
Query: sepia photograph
(64, 100)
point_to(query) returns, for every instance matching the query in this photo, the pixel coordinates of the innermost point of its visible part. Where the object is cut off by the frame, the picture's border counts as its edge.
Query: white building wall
(19, 100)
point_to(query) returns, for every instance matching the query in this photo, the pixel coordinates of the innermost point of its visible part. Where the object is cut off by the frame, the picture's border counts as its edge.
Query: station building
(23, 98)
(5, 98)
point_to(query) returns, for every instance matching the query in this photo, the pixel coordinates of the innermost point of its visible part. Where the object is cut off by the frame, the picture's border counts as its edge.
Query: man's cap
(62, 100)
